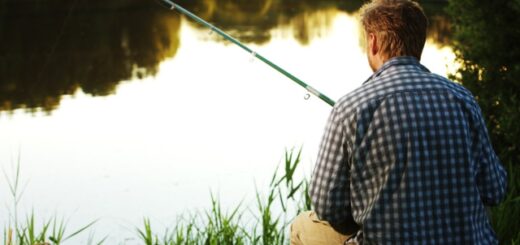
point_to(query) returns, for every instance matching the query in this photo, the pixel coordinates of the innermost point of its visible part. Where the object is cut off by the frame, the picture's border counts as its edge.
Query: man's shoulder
(400, 79)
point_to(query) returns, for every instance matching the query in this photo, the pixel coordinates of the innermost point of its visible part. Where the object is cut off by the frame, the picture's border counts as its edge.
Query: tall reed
(506, 216)
(271, 217)
(27, 232)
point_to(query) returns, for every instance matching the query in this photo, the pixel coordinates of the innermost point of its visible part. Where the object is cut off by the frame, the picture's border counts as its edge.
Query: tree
(486, 35)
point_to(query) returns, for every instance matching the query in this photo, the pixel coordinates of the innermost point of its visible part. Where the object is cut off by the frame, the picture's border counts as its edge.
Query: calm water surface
(128, 111)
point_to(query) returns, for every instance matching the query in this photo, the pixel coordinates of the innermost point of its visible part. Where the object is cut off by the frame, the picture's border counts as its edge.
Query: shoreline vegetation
(267, 220)
(271, 217)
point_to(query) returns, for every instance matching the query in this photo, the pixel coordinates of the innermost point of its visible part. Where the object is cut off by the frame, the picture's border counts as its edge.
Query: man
(406, 157)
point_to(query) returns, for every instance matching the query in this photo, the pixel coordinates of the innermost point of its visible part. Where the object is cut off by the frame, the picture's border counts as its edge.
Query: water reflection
(54, 47)
(252, 20)
(51, 48)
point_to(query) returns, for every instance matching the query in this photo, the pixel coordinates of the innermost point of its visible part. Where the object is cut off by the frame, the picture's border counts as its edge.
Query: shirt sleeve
(329, 188)
(491, 176)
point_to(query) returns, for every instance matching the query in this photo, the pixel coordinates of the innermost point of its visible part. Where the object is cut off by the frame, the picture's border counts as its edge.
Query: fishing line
(311, 90)
(57, 40)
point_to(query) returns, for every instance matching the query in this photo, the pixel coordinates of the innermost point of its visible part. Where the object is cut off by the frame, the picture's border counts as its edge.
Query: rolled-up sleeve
(329, 188)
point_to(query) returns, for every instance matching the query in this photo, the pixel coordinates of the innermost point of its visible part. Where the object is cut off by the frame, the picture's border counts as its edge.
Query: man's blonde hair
(399, 25)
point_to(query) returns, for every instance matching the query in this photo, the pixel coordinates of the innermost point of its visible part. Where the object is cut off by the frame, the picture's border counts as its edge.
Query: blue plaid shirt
(408, 157)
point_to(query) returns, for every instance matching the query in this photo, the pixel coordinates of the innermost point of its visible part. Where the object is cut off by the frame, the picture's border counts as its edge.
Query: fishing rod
(310, 89)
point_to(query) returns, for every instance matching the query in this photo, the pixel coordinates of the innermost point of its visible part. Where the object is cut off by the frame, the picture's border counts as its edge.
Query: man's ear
(373, 48)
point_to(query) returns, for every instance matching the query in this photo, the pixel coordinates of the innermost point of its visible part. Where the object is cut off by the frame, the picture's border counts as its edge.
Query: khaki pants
(307, 229)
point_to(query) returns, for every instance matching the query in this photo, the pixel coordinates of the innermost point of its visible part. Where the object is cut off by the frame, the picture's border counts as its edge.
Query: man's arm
(329, 188)
(491, 176)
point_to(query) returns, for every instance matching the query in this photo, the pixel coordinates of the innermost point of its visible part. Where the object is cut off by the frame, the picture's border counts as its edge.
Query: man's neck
(376, 62)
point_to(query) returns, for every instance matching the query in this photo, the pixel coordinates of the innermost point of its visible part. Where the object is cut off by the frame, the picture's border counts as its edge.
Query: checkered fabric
(408, 157)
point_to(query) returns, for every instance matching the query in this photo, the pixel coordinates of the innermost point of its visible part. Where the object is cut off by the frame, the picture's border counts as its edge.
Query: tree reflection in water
(52, 48)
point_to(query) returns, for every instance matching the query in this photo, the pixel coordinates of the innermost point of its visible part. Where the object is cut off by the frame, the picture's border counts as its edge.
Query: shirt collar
(401, 60)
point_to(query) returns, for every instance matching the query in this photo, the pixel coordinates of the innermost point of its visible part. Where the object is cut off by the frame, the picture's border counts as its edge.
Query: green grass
(267, 222)
(271, 216)
(27, 232)
(506, 216)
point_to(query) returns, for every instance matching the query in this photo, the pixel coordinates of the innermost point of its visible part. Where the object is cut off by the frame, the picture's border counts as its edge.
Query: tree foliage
(486, 35)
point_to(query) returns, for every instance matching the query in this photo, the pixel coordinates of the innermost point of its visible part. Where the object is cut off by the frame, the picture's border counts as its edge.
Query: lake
(124, 109)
